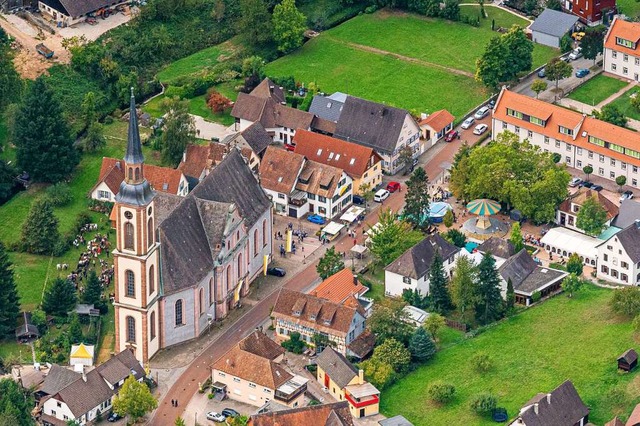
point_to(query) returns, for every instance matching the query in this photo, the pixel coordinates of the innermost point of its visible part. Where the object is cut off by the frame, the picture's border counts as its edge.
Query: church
(183, 262)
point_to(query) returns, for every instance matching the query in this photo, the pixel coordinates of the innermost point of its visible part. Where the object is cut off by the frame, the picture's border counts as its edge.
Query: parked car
(492, 103)
(542, 73)
(216, 417)
(480, 129)
(451, 135)
(596, 187)
(576, 54)
(113, 417)
(276, 272)
(358, 200)
(585, 184)
(229, 412)
(582, 72)
(575, 182)
(314, 218)
(381, 195)
(468, 123)
(626, 195)
(393, 186)
(481, 113)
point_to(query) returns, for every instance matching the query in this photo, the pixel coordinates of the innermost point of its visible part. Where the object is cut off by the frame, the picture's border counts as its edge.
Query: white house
(567, 213)
(279, 171)
(621, 51)
(411, 270)
(561, 407)
(619, 257)
(70, 12)
(434, 126)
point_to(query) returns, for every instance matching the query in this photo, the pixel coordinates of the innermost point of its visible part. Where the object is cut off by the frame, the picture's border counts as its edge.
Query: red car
(451, 135)
(393, 186)
(290, 147)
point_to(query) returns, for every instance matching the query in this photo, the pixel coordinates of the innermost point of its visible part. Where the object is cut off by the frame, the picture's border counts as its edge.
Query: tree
(626, 301)
(378, 372)
(481, 362)
(94, 139)
(289, 25)
(455, 237)
(44, 146)
(392, 238)
(484, 403)
(574, 265)
(448, 219)
(441, 392)
(557, 69)
(395, 353)
(451, 10)
(421, 346)
(329, 264)
(75, 330)
(566, 43)
(592, 217)
(634, 99)
(93, 292)
(179, 130)
(611, 114)
(7, 183)
(417, 199)
(440, 298)
(405, 159)
(621, 181)
(571, 284)
(520, 50)
(366, 193)
(587, 171)
(134, 399)
(418, 6)
(463, 286)
(40, 229)
(218, 14)
(15, 404)
(59, 298)
(238, 421)
(510, 296)
(516, 237)
(253, 65)
(294, 344)
(9, 298)
(489, 301)
(538, 86)
(255, 22)
(592, 42)
(491, 65)
(89, 112)
(556, 157)
(433, 324)
(217, 102)
(554, 5)
(389, 320)
(10, 82)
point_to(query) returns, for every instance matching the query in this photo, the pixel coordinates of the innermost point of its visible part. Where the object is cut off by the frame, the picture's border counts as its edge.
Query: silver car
(481, 113)
(468, 123)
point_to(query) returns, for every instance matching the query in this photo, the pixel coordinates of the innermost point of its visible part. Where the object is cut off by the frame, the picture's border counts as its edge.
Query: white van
(381, 195)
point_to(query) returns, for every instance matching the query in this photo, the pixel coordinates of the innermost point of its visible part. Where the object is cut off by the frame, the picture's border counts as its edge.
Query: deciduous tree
(134, 399)
(592, 42)
(15, 404)
(575, 265)
(538, 86)
(392, 238)
(463, 286)
(289, 25)
(440, 298)
(10, 82)
(558, 69)
(489, 301)
(520, 50)
(626, 301)
(217, 102)
(571, 284)
(40, 229)
(59, 297)
(94, 139)
(587, 170)
(611, 114)
(255, 22)
(621, 181)
(416, 209)
(516, 237)
(421, 346)
(9, 298)
(451, 10)
(491, 65)
(455, 237)
(179, 131)
(441, 392)
(388, 320)
(448, 219)
(330, 264)
(433, 324)
(592, 217)
(395, 353)
(378, 372)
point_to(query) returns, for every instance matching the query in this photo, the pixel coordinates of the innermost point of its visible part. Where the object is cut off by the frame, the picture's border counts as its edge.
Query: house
(82, 355)
(162, 179)
(634, 418)
(628, 360)
(70, 12)
(279, 171)
(328, 189)
(361, 163)
(388, 130)
(434, 126)
(499, 248)
(551, 25)
(267, 104)
(183, 262)
(527, 277)
(621, 54)
(628, 213)
(395, 421)
(561, 407)
(335, 414)
(340, 323)
(81, 396)
(26, 330)
(362, 346)
(411, 270)
(590, 12)
(579, 139)
(251, 373)
(252, 143)
(619, 257)
(567, 213)
(328, 107)
(614, 422)
(198, 160)
(345, 382)
(341, 286)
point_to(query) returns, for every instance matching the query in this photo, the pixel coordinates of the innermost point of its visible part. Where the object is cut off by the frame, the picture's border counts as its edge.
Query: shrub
(484, 403)
(481, 362)
(441, 392)
(626, 301)
(108, 119)
(59, 194)
(536, 296)
(217, 102)
(371, 9)
(294, 344)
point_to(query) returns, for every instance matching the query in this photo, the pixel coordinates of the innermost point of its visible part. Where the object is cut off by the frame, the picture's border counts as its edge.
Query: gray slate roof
(630, 240)
(562, 407)
(58, 378)
(628, 213)
(526, 276)
(133, 154)
(416, 261)
(82, 396)
(370, 124)
(497, 247)
(339, 369)
(554, 23)
(326, 108)
(395, 421)
(257, 137)
(120, 366)
(76, 8)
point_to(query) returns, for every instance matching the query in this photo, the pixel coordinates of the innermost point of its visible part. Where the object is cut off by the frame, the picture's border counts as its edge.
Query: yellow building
(344, 382)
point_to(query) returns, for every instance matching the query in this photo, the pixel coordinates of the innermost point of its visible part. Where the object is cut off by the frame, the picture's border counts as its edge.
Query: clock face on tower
(128, 215)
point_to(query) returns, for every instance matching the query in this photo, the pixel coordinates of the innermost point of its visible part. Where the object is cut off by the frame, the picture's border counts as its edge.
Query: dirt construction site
(27, 33)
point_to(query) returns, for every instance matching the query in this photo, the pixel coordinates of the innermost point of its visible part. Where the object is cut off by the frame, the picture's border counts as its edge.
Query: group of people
(88, 258)
(440, 194)
(532, 240)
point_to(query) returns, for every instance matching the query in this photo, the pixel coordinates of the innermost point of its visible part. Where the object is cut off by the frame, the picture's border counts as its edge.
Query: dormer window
(312, 317)
(319, 152)
(626, 43)
(565, 131)
(352, 162)
(327, 322)
(296, 313)
(514, 113)
(331, 156)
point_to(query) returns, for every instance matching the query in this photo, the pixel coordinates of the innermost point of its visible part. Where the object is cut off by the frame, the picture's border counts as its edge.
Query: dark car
(113, 417)
(358, 200)
(276, 272)
(586, 184)
(451, 136)
(596, 187)
(229, 412)
(542, 73)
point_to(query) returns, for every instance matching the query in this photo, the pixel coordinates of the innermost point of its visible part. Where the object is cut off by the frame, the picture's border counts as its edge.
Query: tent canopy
(564, 239)
(352, 214)
(333, 228)
(483, 207)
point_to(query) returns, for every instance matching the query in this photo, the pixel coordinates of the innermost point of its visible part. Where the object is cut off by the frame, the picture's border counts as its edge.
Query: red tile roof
(200, 157)
(354, 159)
(162, 179)
(279, 169)
(334, 414)
(625, 30)
(338, 287)
(580, 196)
(438, 120)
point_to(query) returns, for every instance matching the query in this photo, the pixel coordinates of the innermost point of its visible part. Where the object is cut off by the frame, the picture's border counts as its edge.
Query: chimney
(118, 165)
(535, 408)
(84, 375)
(548, 398)
(355, 279)
(361, 377)
(423, 115)
(184, 155)
(271, 89)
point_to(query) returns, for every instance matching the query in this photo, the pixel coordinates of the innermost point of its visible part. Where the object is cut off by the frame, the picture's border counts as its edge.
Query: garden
(623, 103)
(597, 89)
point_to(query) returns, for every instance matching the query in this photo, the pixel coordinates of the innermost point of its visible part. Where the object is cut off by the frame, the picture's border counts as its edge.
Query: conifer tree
(60, 298)
(40, 229)
(489, 302)
(421, 346)
(9, 299)
(440, 298)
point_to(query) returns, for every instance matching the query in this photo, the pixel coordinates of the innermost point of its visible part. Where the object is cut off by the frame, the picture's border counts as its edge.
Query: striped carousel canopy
(483, 207)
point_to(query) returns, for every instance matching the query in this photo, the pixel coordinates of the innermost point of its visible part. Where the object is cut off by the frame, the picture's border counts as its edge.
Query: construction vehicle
(44, 51)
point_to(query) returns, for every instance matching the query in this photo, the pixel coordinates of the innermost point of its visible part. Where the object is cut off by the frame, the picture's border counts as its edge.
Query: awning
(333, 228)
(363, 390)
(352, 214)
(571, 241)
(359, 250)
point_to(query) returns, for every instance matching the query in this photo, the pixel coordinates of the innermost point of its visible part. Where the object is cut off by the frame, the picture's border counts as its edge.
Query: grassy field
(197, 106)
(597, 89)
(630, 8)
(624, 103)
(9, 349)
(533, 352)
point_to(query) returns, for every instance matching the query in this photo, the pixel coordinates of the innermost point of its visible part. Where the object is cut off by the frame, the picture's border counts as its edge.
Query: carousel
(484, 226)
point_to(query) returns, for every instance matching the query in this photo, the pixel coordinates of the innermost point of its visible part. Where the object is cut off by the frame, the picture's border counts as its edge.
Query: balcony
(291, 389)
(298, 198)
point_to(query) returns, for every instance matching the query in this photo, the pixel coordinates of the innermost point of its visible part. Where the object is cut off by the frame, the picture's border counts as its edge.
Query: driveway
(92, 32)
(208, 130)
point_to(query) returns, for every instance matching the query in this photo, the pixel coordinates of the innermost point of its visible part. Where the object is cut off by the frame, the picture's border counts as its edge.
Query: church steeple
(134, 146)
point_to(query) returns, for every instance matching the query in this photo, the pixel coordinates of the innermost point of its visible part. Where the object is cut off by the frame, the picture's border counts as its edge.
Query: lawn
(631, 8)
(597, 89)
(335, 66)
(197, 106)
(624, 104)
(438, 41)
(535, 351)
(12, 349)
(191, 64)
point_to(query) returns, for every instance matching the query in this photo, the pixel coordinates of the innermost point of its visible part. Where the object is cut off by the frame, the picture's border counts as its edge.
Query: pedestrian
(176, 402)
(355, 241)
(173, 402)
(302, 247)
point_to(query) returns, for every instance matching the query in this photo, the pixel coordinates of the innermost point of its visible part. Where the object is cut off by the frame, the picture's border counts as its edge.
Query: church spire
(134, 146)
